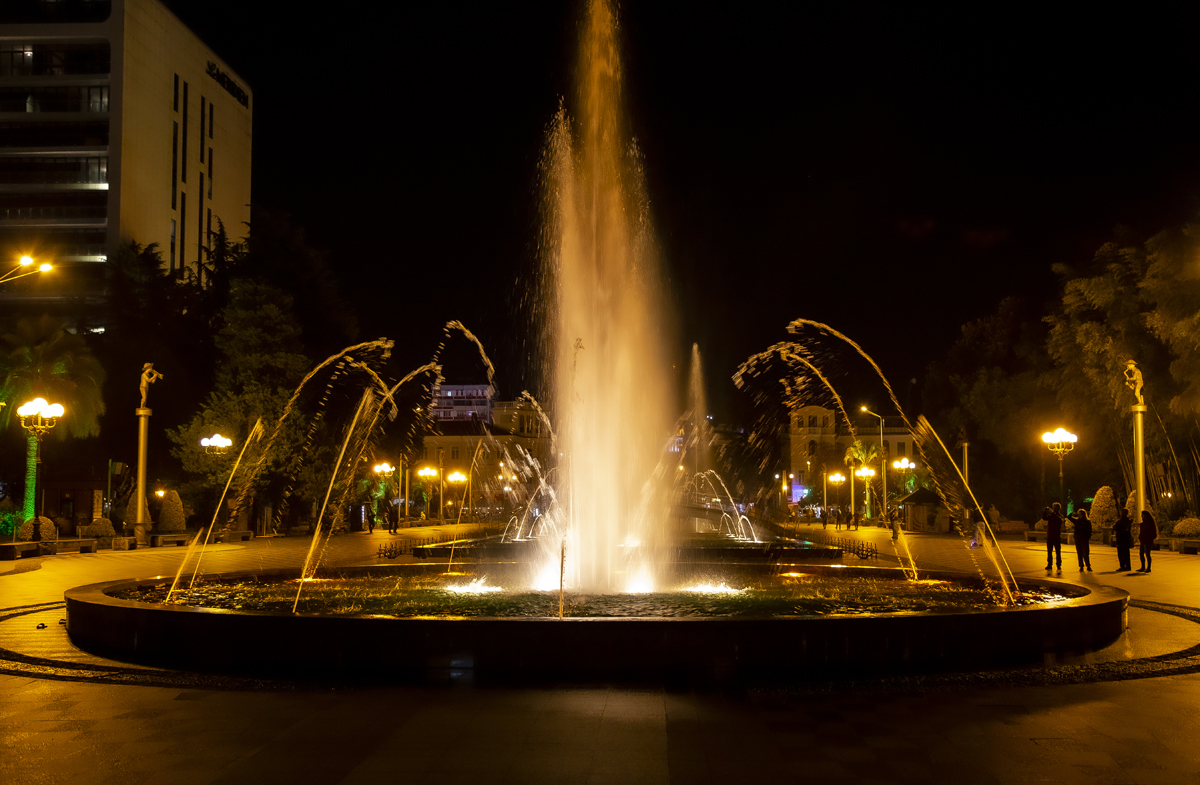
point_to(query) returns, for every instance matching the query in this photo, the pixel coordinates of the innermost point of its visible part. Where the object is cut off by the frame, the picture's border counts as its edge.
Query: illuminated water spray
(612, 392)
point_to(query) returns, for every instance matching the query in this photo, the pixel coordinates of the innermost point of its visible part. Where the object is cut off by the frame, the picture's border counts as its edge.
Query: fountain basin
(385, 648)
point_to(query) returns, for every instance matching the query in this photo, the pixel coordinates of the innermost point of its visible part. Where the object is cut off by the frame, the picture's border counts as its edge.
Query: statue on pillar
(1133, 380)
(149, 377)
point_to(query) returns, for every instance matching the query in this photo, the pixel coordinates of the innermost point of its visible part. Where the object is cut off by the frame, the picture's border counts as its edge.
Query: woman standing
(1123, 534)
(1147, 534)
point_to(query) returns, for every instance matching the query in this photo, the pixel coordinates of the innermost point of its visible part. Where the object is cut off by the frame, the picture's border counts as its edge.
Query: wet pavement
(1127, 714)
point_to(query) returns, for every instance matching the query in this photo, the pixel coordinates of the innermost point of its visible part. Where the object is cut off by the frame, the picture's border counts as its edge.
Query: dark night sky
(891, 171)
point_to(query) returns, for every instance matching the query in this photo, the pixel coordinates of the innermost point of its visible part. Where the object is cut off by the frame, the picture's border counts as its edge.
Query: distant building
(818, 439)
(464, 402)
(117, 124)
(490, 452)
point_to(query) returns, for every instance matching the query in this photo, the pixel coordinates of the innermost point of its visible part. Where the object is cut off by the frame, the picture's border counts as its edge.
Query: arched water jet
(794, 328)
(950, 496)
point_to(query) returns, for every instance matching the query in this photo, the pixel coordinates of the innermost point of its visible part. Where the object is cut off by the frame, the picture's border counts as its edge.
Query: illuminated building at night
(117, 124)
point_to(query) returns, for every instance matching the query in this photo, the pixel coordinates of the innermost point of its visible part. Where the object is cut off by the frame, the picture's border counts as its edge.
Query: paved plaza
(1127, 714)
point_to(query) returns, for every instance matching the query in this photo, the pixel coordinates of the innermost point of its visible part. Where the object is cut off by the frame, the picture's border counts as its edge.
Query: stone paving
(1127, 729)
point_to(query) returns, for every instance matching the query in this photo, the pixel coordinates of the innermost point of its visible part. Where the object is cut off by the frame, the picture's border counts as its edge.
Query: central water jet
(613, 392)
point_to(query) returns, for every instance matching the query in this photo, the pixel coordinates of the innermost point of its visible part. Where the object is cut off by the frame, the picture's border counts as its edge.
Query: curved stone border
(539, 649)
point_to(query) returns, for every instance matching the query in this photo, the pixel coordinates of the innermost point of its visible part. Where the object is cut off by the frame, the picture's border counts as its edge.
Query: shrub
(101, 528)
(131, 511)
(1104, 509)
(46, 530)
(170, 517)
(10, 520)
(1188, 527)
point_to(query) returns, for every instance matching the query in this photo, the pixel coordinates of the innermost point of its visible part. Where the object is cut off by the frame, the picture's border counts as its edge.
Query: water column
(611, 381)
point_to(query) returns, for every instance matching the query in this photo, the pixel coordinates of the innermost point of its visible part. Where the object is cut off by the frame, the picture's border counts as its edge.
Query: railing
(407, 546)
(860, 548)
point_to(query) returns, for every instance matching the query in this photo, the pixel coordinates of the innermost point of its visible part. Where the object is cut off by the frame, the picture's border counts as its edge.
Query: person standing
(1123, 535)
(1054, 522)
(1083, 536)
(1147, 534)
(824, 518)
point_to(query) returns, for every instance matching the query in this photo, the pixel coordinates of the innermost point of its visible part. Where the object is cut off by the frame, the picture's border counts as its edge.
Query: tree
(261, 363)
(41, 359)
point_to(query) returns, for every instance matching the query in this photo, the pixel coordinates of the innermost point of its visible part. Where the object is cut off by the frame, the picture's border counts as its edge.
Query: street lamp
(882, 460)
(38, 417)
(865, 473)
(1060, 443)
(429, 473)
(23, 268)
(384, 470)
(837, 480)
(458, 478)
(906, 466)
(216, 444)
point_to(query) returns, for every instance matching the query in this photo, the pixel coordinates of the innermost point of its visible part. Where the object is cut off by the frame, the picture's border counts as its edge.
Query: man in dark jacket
(1083, 537)
(1123, 535)
(1054, 523)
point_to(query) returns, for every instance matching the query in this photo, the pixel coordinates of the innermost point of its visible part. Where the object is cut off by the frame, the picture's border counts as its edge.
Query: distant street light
(1060, 443)
(216, 444)
(837, 480)
(429, 473)
(865, 473)
(38, 417)
(23, 269)
(882, 460)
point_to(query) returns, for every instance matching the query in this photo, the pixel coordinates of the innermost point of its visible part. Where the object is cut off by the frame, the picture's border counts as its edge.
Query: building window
(812, 448)
(176, 92)
(172, 245)
(812, 421)
(182, 223)
(454, 453)
(825, 421)
(203, 104)
(183, 156)
(210, 173)
(210, 124)
(174, 164)
(200, 228)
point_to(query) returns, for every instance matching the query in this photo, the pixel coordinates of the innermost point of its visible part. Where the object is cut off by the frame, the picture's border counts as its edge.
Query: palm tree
(41, 359)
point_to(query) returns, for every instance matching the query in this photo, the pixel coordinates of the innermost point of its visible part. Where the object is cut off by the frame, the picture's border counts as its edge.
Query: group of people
(840, 518)
(1122, 533)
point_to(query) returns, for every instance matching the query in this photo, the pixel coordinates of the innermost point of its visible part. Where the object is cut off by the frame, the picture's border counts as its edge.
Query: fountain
(632, 508)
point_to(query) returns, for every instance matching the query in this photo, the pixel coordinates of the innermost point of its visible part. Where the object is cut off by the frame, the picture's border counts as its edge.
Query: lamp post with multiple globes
(1060, 442)
(38, 417)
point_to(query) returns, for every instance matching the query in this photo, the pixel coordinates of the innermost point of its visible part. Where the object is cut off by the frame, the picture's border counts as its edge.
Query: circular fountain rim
(1078, 594)
(543, 649)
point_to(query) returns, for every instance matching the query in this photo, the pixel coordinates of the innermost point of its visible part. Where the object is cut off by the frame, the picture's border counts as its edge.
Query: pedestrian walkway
(1133, 730)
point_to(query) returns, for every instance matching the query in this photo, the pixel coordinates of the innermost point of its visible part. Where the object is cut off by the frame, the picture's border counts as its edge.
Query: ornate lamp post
(837, 480)
(429, 473)
(38, 417)
(882, 461)
(385, 470)
(458, 478)
(865, 474)
(216, 444)
(1060, 443)
(906, 466)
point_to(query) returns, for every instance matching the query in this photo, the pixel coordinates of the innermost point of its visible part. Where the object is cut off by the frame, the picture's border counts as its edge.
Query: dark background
(891, 171)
